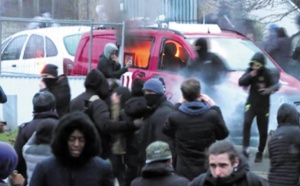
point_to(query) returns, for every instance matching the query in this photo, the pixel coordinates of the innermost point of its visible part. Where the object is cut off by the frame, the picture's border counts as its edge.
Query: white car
(28, 51)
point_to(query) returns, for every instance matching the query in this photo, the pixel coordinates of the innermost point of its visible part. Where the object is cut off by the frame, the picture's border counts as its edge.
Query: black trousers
(262, 120)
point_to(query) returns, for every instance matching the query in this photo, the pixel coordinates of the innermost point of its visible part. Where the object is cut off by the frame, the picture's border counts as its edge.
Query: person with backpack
(227, 168)
(91, 101)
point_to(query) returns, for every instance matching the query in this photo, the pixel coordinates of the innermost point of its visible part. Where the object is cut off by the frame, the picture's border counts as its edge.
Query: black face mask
(152, 99)
(49, 81)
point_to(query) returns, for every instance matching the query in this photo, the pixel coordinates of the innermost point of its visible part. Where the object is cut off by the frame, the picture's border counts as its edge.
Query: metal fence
(26, 51)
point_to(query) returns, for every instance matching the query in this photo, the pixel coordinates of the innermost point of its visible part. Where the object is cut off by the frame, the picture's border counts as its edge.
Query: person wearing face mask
(58, 86)
(262, 84)
(159, 109)
(227, 168)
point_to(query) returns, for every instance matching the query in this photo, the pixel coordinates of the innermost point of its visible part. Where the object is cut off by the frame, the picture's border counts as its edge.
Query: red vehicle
(146, 47)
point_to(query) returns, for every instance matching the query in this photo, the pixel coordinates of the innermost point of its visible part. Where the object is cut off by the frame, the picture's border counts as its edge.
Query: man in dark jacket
(43, 111)
(262, 85)
(284, 148)
(75, 146)
(93, 100)
(159, 109)
(194, 127)
(158, 169)
(227, 168)
(208, 67)
(109, 63)
(58, 86)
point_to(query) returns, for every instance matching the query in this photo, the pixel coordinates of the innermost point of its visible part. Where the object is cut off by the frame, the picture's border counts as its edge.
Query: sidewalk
(262, 168)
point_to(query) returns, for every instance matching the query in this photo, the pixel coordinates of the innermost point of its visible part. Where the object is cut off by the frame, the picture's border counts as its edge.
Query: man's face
(76, 143)
(256, 66)
(220, 165)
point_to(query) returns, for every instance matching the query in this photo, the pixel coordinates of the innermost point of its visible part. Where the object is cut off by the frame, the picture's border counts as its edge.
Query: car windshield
(71, 43)
(235, 52)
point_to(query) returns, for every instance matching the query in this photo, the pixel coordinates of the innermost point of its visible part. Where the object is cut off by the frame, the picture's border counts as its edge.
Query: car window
(235, 52)
(51, 49)
(71, 43)
(34, 47)
(173, 56)
(4, 43)
(138, 50)
(13, 50)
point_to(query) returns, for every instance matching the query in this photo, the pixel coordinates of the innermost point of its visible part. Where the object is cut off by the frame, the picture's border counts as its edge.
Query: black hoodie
(284, 148)
(96, 84)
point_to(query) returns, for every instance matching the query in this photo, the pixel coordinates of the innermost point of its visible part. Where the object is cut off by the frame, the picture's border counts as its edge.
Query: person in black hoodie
(227, 168)
(92, 102)
(43, 111)
(208, 66)
(75, 146)
(284, 148)
(134, 108)
(158, 169)
(109, 65)
(196, 124)
(58, 86)
(262, 85)
(3, 97)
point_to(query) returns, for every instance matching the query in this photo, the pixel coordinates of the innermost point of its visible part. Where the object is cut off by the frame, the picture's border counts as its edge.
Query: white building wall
(21, 89)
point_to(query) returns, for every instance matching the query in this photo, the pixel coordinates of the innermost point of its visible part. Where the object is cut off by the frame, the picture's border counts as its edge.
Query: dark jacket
(154, 121)
(282, 51)
(3, 97)
(194, 127)
(237, 178)
(284, 148)
(109, 68)
(60, 88)
(50, 172)
(25, 132)
(159, 174)
(96, 84)
(263, 79)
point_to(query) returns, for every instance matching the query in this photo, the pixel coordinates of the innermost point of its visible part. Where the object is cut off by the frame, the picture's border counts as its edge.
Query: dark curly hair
(69, 123)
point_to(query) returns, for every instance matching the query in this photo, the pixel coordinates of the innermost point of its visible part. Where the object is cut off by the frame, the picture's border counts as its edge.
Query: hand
(182, 100)
(253, 73)
(206, 99)
(128, 63)
(265, 91)
(115, 58)
(138, 122)
(16, 179)
(115, 98)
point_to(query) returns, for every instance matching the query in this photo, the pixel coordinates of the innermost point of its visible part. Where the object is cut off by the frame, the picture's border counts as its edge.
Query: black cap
(43, 101)
(50, 69)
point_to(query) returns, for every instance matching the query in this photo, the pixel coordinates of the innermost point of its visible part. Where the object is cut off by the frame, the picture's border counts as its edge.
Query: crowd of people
(139, 138)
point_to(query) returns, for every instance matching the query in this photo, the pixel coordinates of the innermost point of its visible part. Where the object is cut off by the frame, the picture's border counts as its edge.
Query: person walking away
(284, 148)
(198, 118)
(227, 168)
(75, 146)
(38, 146)
(158, 169)
(262, 84)
(43, 111)
(58, 86)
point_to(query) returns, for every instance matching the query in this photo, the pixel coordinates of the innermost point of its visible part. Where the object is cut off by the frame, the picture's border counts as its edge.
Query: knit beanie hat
(43, 101)
(8, 160)
(50, 69)
(154, 85)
